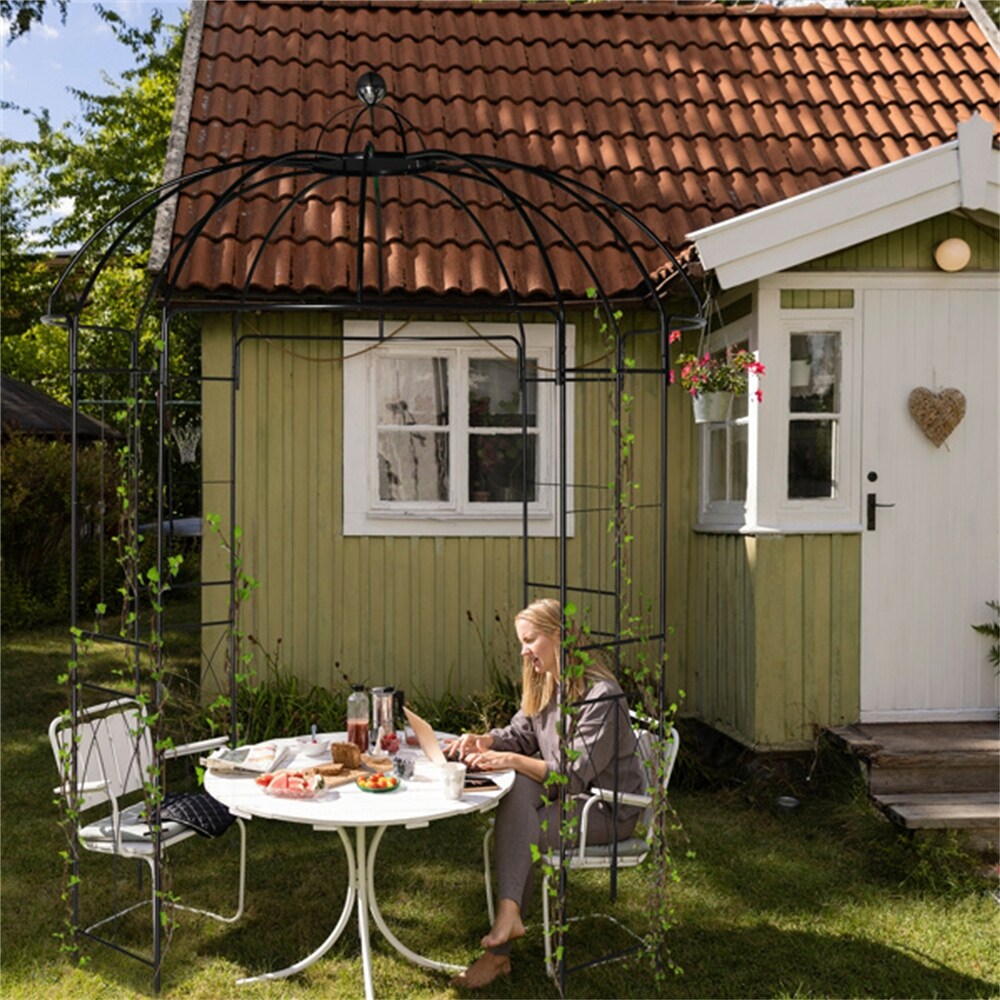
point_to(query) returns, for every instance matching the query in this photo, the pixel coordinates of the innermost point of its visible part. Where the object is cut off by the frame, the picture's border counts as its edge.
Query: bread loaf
(346, 753)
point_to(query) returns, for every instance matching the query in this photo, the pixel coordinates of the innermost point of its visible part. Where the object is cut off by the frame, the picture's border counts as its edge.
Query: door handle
(873, 505)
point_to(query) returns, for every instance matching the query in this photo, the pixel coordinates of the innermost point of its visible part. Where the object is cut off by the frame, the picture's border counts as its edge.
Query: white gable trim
(964, 173)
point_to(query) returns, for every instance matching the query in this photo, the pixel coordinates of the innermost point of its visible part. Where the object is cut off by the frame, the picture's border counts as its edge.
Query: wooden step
(933, 773)
(932, 758)
(941, 811)
(867, 739)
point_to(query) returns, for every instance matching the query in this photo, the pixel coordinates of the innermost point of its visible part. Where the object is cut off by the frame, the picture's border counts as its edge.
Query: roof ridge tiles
(652, 8)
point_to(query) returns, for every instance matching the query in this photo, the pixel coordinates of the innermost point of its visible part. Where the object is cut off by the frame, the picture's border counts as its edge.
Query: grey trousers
(520, 818)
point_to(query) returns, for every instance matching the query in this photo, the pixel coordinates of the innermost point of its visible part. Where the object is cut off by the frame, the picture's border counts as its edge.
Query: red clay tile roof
(686, 114)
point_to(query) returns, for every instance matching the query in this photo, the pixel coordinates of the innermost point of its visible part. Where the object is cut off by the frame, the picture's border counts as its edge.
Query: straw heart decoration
(937, 413)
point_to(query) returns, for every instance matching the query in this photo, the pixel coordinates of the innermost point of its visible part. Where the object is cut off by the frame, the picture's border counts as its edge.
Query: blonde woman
(529, 813)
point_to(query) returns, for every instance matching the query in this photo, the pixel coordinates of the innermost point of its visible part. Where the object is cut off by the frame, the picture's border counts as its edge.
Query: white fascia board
(961, 173)
(843, 233)
(799, 228)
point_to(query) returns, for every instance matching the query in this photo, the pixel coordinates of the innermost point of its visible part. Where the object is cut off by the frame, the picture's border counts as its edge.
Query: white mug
(453, 778)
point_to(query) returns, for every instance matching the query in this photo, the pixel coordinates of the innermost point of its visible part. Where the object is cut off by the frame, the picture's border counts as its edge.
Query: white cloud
(64, 207)
(46, 31)
(4, 28)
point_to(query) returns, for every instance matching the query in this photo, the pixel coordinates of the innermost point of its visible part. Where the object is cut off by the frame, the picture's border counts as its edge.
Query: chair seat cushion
(133, 825)
(631, 848)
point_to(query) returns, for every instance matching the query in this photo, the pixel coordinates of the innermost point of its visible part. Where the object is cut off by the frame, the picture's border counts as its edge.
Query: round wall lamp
(952, 254)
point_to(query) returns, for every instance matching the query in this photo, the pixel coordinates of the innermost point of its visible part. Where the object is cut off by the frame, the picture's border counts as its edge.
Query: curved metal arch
(475, 168)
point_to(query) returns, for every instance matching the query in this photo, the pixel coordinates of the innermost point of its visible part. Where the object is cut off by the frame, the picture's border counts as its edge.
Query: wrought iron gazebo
(150, 396)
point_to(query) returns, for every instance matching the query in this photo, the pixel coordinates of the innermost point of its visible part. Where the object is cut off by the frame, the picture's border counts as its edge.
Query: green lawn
(827, 902)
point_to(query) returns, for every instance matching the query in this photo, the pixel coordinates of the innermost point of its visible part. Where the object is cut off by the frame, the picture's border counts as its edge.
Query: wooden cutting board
(344, 778)
(350, 774)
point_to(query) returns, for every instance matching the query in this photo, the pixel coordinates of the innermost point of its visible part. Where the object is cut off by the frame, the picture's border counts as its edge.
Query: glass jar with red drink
(357, 717)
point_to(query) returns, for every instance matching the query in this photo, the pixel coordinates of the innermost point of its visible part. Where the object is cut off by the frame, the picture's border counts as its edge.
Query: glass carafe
(357, 717)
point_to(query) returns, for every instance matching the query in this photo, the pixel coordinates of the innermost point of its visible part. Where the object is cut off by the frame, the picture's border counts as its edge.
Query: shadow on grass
(777, 962)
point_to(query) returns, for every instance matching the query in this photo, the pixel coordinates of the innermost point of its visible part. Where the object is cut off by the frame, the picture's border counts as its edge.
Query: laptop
(432, 749)
(425, 737)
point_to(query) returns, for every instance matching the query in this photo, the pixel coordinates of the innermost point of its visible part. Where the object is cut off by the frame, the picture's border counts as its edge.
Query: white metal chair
(113, 753)
(658, 758)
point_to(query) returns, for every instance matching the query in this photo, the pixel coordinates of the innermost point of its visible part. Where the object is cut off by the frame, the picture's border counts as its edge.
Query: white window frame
(768, 509)
(365, 513)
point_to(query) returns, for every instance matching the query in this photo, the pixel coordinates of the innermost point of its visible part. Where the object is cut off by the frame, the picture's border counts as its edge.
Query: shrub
(35, 529)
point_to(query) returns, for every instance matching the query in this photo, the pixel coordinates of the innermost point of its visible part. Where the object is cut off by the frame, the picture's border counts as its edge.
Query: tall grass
(826, 902)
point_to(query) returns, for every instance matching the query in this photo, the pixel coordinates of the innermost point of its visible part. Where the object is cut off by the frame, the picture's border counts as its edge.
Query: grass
(826, 902)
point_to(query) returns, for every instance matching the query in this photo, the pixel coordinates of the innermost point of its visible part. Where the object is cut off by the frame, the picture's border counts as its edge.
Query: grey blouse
(602, 743)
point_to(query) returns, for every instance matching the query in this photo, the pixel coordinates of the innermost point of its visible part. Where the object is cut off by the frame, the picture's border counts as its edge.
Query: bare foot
(506, 927)
(483, 971)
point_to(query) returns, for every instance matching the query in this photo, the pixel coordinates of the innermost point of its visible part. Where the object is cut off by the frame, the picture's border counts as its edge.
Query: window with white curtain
(442, 436)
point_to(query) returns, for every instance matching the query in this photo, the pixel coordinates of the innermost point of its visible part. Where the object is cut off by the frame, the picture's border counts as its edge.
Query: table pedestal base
(360, 887)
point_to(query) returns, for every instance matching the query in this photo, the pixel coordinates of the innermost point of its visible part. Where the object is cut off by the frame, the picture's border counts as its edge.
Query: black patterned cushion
(198, 810)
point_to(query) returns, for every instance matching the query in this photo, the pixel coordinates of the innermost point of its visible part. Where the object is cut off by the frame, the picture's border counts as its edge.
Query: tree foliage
(98, 165)
(115, 154)
(26, 277)
(22, 14)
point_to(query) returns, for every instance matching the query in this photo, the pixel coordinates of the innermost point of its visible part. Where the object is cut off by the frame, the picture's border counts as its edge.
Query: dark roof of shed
(686, 114)
(30, 411)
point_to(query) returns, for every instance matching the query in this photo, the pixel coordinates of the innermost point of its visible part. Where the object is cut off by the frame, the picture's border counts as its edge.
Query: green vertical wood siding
(716, 639)
(807, 648)
(393, 609)
(764, 630)
(771, 650)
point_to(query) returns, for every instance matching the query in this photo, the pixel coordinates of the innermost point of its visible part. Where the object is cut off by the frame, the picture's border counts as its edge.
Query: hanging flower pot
(713, 380)
(711, 407)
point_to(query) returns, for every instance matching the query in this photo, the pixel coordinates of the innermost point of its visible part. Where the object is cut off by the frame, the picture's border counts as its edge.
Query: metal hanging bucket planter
(711, 407)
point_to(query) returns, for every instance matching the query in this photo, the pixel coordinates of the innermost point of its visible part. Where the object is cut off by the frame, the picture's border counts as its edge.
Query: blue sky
(39, 68)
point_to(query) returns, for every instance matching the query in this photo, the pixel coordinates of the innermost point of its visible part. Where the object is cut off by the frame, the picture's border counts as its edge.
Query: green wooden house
(829, 179)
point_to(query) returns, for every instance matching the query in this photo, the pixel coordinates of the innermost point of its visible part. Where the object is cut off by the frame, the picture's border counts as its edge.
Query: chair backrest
(114, 746)
(658, 757)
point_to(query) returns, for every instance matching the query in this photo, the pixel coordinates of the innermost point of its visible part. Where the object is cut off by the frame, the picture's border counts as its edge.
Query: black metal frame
(311, 172)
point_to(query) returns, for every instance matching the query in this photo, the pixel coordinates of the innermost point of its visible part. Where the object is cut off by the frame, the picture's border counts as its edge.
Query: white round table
(419, 802)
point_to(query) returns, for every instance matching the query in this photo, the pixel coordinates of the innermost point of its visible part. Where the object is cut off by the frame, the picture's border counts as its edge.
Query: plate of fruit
(378, 782)
(292, 784)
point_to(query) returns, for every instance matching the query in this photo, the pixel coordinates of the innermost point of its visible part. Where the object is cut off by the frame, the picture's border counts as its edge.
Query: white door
(932, 559)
